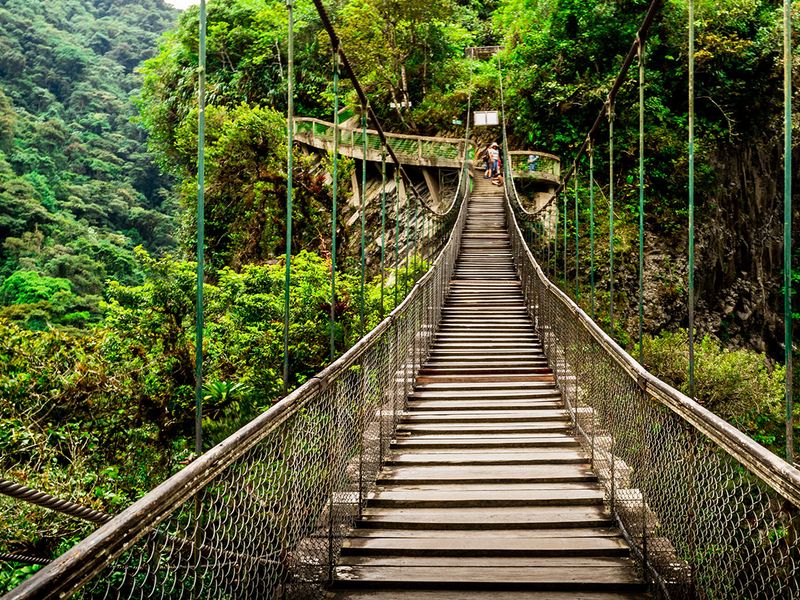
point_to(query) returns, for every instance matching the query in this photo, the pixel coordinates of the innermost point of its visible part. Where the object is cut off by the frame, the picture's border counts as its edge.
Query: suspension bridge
(486, 440)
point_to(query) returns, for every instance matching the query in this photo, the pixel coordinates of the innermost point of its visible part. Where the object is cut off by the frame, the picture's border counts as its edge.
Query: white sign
(484, 118)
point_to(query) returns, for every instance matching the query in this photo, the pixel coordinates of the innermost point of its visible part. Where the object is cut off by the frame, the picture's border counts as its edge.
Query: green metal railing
(434, 151)
(544, 166)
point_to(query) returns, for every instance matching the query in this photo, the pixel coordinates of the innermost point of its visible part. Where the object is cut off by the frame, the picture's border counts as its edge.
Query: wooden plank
(442, 594)
(483, 428)
(466, 498)
(489, 394)
(485, 546)
(552, 517)
(531, 442)
(490, 386)
(548, 578)
(476, 455)
(489, 486)
(481, 473)
(509, 534)
(456, 405)
(420, 414)
(564, 562)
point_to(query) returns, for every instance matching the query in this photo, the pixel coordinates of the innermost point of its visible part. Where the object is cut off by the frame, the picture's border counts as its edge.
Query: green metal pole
(383, 227)
(549, 245)
(396, 238)
(641, 199)
(407, 240)
(364, 149)
(691, 199)
(335, 184)
(787, 223)
(199, 320)
(611, 216)
(555, 245)
(591, 227)
(577, 236)
(415, 231)
(566, 238)
(289, 176)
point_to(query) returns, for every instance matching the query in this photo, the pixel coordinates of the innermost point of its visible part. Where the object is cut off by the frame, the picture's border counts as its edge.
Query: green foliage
(738, 385)
(103, 415)
(560, 61)
(74, 173)
(28, 287)
(404, 50)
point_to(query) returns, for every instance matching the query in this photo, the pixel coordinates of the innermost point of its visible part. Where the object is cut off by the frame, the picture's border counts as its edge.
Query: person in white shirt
(494, 159)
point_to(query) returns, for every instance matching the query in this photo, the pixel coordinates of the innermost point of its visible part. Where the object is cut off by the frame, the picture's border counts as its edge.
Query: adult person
(494, 159)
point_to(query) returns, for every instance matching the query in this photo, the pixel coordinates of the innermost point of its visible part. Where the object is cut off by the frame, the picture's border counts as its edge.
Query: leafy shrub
(738, 385)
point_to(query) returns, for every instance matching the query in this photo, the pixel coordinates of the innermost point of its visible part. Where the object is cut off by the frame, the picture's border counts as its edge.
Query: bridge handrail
(704, 506)
(418, 311)
(548, 164)
(400, 136)
(463, 145)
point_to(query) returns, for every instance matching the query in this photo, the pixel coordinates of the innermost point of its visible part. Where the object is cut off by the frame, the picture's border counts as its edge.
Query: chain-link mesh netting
(525, 163)
(708, 512)
(264, 514)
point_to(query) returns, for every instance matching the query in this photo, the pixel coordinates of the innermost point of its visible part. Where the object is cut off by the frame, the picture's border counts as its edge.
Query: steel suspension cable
(199, 315)
(45, 500)
(691, 200)
(787, 224)
(334, 202)
(289, 180)
(641, 201)
(415, 233)
(547, 239)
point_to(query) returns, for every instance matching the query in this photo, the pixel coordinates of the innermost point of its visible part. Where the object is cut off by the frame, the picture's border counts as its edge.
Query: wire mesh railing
(708, 511)
(264, 513)
(541, 165)
(436, 151)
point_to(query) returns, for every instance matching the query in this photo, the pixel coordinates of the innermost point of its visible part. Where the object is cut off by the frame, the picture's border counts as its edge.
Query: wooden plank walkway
(486, 494)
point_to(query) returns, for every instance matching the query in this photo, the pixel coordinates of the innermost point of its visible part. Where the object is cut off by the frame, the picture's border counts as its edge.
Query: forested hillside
(77, 189)
(98, 156)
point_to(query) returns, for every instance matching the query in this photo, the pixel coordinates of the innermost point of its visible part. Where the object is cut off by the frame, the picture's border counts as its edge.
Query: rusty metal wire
(23, 558)
(67, 507)
(708, 512)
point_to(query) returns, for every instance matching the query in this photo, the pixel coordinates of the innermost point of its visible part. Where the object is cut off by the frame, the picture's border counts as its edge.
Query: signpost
(485, 118)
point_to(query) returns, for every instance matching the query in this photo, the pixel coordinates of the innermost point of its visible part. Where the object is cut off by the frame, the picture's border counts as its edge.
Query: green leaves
(74, 174)
(28, 287)
(738, 385)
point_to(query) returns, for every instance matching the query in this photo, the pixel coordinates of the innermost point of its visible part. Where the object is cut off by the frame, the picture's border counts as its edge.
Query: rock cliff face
(742, 246)
(739, 243)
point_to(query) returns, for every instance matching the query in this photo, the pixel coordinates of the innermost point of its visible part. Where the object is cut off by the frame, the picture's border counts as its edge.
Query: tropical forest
(212, 214)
